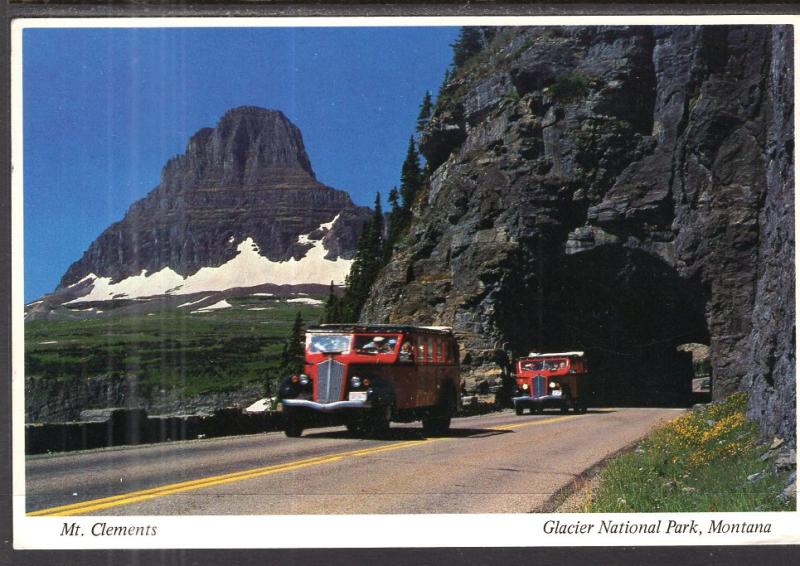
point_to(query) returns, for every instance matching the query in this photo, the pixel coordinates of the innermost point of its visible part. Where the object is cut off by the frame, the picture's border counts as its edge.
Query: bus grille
(539, 386)
(330, 378)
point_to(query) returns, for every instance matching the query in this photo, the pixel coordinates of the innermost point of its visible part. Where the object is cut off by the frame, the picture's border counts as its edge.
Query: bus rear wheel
(436, 425)
(438, 422)
(519, 409)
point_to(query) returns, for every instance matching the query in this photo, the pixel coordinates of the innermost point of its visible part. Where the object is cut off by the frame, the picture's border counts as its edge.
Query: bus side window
(429, 350)
(420, 349)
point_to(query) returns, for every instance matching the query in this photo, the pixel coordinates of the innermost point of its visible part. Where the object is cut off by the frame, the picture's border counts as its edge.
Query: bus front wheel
(293, 427)
(378, 422)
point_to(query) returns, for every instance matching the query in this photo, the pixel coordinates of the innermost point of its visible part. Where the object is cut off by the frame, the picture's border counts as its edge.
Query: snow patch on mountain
(247, 269)
(306, 301)
(223, 304)
(190, 303)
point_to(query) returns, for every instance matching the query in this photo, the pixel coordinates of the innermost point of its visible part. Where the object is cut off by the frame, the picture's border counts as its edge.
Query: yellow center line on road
(151, 493)
(169, 489)
(531, 423)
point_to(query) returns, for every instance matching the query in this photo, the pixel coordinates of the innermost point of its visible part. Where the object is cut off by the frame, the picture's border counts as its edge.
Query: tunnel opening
(629, 311)
(702, 379)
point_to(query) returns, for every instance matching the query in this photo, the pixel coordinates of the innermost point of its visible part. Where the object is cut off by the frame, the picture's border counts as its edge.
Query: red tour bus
(547, 380)
(366, 376)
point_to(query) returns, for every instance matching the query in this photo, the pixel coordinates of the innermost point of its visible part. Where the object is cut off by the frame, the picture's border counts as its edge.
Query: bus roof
(368, 328)
(554, 355)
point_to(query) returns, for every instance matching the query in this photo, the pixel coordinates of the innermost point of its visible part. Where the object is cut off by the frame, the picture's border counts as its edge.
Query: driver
(378, 344)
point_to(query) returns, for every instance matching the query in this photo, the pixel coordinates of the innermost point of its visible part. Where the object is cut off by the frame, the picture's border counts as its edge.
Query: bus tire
(436, 425)
(566, 401)
(293, 428)
(377, 425)
(519, 409)
(438, 421)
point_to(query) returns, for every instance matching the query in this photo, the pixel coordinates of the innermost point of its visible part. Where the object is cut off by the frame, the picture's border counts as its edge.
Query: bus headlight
(304, 380)
(524, 386)
(553, 384)
(355, 382)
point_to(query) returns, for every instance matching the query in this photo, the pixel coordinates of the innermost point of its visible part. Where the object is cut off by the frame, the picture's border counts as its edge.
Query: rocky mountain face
(248, 177)
(621, 190)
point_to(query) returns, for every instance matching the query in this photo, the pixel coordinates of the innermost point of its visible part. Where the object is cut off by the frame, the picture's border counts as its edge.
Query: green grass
(172, 350)
(698, 462)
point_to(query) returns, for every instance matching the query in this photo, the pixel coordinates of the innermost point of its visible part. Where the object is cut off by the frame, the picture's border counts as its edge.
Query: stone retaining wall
(118, 427)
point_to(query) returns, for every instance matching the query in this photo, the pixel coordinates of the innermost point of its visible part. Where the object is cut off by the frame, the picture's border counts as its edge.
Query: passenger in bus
(406, 352)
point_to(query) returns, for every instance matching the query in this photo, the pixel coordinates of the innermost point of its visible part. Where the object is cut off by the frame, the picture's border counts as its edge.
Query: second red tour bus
(558, 379)
(367, 376)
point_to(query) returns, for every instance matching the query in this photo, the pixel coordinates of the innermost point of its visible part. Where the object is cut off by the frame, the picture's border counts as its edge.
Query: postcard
(403, 282)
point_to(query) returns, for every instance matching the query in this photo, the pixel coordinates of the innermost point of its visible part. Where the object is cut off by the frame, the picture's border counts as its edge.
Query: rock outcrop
(248, 177)
(621, 190)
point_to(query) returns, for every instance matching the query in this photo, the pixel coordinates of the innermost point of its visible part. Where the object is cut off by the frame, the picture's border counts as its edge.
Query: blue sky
(105, 108)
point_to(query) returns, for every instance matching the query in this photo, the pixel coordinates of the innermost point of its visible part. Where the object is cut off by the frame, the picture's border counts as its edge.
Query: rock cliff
(622, 190)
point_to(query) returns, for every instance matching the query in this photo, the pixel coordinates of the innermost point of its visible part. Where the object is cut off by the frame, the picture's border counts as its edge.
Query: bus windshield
(544, 365)
(328, 343)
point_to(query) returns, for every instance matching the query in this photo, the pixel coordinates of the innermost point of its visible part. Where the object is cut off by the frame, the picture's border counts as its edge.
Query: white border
(337, 531)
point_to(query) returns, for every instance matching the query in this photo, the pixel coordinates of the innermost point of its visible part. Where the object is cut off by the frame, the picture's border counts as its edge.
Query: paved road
(491, 463)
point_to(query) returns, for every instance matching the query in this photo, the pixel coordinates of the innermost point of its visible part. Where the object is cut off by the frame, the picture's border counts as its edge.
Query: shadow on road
(412, 434)
(556, 412)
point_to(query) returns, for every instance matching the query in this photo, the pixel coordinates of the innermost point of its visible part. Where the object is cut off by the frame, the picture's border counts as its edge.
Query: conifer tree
(488, 34)
(395, 223)
(292, 355)
(376, 237)
(468, 43)
(410, 176)
(332, 307)
(394, 201)
(368, 261)
(424, 111)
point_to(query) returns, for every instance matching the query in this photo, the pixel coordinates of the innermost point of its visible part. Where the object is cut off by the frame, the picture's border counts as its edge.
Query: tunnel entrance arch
(628, 310)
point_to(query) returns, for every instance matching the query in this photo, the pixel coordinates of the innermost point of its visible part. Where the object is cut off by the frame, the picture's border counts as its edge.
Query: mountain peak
(247, 177)
(247, 147)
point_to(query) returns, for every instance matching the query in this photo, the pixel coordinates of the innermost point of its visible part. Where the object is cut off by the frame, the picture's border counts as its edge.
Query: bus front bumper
(323, 407)
(528, 401)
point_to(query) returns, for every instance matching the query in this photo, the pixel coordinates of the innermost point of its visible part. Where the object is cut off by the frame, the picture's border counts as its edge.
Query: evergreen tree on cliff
(410, 177)
(395, 221)
(376, 237)
(368, 261)
(425, 109)
(468, 43)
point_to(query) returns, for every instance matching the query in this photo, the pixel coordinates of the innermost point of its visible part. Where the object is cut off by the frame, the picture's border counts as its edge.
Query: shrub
(570, 87)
